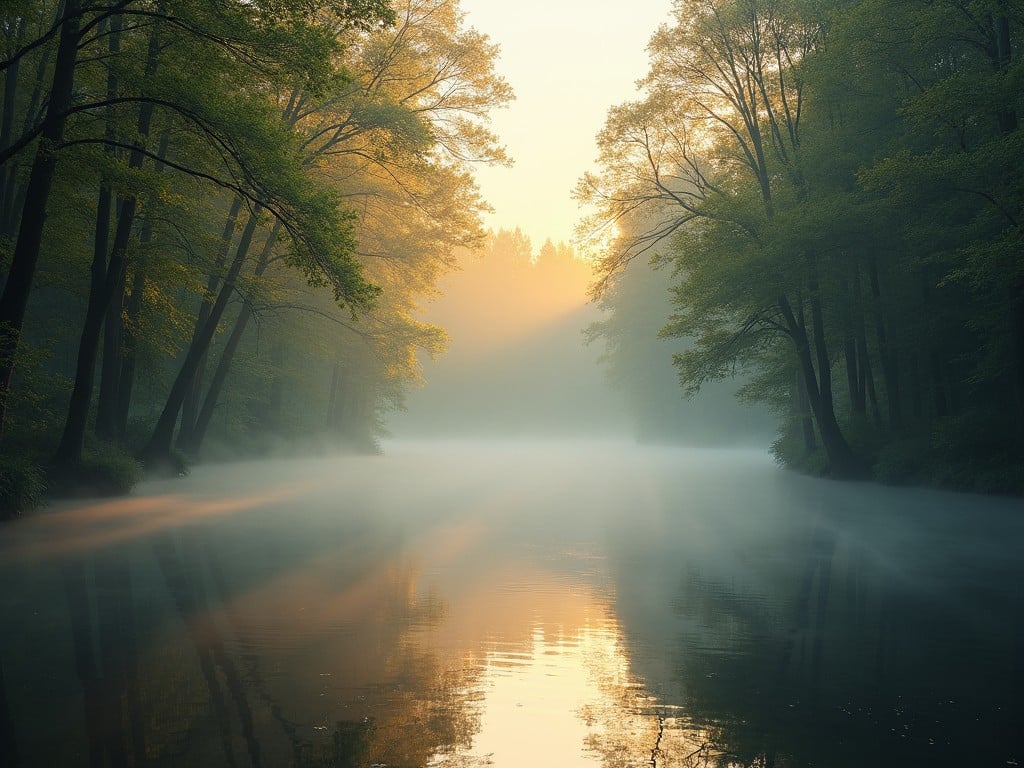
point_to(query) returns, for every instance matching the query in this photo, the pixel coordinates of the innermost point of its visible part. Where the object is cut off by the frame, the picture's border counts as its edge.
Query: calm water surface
(514, 605)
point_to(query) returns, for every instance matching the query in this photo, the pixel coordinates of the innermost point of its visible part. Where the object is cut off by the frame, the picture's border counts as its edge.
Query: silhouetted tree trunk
(853, 363)
(1008, 123)
(8, 743)
(112, 338)
(190, 406)
(806, 418)
(842, 462)
(102, 289)
(890, 367)
(158, 449)
(230, 348)
(9, 170)
(13, 194)
(869, 376)
(18, 287)
(113, 357)
(130, 330)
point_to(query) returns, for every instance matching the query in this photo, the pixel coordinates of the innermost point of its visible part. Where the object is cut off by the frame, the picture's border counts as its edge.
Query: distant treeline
(835, 193)
(216, 219)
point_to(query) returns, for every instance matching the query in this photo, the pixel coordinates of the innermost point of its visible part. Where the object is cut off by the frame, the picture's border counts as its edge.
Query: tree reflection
(106, 657)
(8, 743)
(827, 653)
(176, 651)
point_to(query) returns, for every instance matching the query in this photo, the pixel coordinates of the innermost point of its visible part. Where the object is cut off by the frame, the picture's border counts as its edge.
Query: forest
(831, 194)
(216, 221)
(219, 222)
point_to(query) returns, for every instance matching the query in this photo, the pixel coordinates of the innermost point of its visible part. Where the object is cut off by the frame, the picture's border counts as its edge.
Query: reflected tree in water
(212, 695)
(8, 744)
(106, 658)
(827, 653)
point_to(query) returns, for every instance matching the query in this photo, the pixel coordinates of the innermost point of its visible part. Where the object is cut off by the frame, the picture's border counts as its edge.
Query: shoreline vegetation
(826, 200)
(220, 221)
(28, 484)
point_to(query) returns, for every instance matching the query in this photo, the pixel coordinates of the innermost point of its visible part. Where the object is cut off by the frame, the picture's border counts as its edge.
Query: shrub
(103, 471)
(22, 485)
(901, 462)
(789, 451)
(110, 470)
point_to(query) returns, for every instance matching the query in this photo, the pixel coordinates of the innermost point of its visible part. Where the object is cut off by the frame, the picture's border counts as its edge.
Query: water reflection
(869, 628)
(453, 607)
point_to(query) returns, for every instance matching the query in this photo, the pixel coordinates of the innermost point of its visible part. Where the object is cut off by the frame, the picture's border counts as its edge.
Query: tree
(397, 134)
(713, 155)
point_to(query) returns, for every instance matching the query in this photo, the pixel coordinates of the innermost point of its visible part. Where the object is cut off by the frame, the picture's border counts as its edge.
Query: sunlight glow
(568, 62)
(118, 521)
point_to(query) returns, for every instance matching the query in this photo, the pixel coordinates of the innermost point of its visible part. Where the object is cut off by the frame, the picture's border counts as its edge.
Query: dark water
(514, 605)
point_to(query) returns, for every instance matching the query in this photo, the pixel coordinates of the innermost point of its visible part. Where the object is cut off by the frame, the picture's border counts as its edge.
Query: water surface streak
(514, 604)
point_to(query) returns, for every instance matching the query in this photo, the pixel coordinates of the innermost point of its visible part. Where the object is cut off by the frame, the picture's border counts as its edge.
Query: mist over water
(516, 602)
(515, 581)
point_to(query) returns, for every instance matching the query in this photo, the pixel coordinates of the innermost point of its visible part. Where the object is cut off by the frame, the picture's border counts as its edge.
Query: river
(514, 604)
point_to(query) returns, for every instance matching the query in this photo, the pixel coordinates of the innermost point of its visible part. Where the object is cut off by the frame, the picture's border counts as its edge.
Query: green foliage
(837, 187)
(22, 485)
(108, 470)
(789, 451)
(104, 470)
(902, 462)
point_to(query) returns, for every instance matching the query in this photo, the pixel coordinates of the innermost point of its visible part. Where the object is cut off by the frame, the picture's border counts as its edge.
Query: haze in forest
(531, 354)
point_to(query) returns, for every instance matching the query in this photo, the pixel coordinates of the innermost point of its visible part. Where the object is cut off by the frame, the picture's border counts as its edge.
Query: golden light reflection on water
(109, 522)
(567, 697)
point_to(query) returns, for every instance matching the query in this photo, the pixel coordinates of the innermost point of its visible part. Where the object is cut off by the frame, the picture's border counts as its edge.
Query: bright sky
(568, 61)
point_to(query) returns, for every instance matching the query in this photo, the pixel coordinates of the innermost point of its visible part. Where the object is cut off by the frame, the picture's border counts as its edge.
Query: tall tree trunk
(228, 355)
(14, 196)
(110, 366)
(869, 376)
(158, 449)
(105, 277)
(842, 462)
(6, 129)
(8, 743)
(130, 339)
(112, 337)
(851, 362)
(865, 378)
(14, 299)
(1004, 55)
(853, 374)
(101, 293)
(803, 412)
(890, 368)
(1008, 123)
(190, 406)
